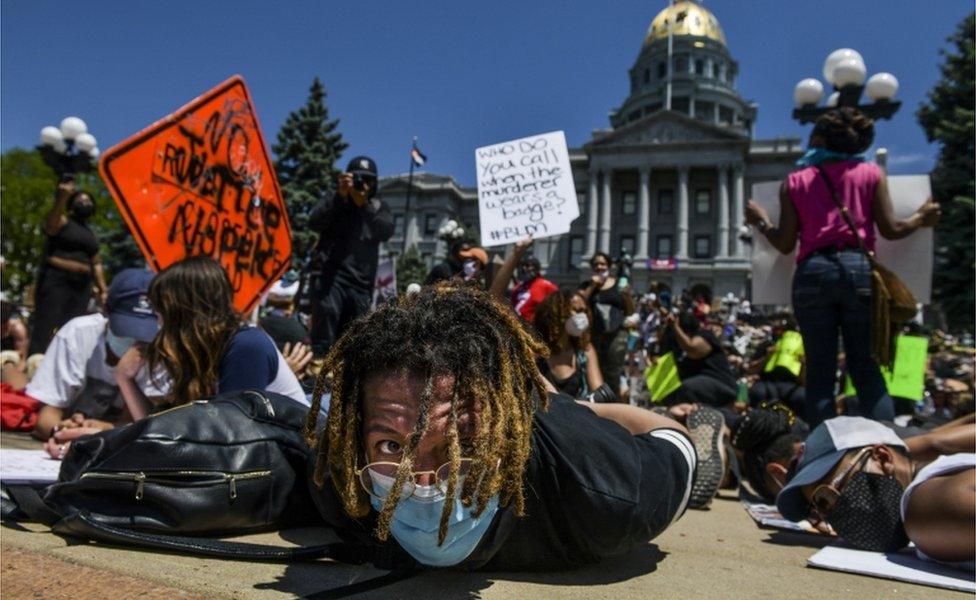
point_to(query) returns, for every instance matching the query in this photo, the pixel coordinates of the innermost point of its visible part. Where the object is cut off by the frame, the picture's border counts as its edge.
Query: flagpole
(667, 101)
(406, 212)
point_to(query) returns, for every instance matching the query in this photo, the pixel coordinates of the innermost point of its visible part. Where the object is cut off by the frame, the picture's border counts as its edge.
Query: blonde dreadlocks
(444, 330)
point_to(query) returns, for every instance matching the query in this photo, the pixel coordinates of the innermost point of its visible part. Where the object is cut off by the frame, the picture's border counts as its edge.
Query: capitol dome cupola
(701, 80)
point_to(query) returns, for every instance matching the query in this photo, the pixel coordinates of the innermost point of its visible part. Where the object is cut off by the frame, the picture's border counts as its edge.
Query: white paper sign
(900, 566)
(525, 187)
(28, 466)
(910, 258)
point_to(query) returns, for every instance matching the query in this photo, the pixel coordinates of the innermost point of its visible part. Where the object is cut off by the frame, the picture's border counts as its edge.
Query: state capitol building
(665, 185)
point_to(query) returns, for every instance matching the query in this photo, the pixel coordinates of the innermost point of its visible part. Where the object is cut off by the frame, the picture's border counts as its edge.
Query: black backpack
(174, 481)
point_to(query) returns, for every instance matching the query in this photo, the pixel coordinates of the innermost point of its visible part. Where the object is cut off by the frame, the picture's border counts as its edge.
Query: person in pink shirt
(832, 284)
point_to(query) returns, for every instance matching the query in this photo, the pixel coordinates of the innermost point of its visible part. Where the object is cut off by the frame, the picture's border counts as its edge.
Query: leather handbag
(892, 303)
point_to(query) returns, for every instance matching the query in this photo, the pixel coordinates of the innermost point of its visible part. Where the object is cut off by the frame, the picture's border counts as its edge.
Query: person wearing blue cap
(880, 492)
(76, 376)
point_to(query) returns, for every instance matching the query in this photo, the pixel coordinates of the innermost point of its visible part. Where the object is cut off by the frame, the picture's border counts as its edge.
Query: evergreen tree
(307, 148)
(947, 117)
(410, 268)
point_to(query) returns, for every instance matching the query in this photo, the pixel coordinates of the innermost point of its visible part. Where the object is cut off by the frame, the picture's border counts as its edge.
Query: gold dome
(689, 18)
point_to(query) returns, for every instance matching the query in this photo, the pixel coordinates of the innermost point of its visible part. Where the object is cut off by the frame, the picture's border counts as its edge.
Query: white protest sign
(525, 187)
(910, 258)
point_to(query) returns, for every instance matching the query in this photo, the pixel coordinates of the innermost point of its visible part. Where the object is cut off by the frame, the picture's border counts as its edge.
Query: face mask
(867, 513)
(82, 212)
(577, 324)
(471, 269)
(602, 275)
(417, 520)
(117, 344)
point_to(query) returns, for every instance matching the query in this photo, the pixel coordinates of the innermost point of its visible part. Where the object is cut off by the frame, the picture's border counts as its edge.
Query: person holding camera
(351, 223)
(70, 265)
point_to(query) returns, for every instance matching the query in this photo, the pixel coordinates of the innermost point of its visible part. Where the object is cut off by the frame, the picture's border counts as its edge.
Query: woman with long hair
(832, 284)
(562, 321)
(203, 346)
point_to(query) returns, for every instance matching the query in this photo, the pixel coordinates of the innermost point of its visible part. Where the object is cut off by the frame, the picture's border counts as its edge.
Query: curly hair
(764, 435)
(195, 299)
(845, 130)
(550, 321)
(450, 330)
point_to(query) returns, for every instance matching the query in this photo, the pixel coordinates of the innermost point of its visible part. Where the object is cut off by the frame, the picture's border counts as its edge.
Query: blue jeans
(831, 293)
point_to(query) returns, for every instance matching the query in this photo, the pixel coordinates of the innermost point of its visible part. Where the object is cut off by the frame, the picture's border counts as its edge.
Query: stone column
(592, 208)
(723, 212)
(643, 213)
(605, 212)
(681, 239)
(738, 195)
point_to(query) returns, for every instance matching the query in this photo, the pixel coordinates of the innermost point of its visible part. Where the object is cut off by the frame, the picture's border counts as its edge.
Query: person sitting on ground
(531, 288)
(878, 493)
(562, 321)
(13, 331)
(281, 323)
(777, 382)
(706, 377)
(76, 378)
(443, 434)
(203, 347)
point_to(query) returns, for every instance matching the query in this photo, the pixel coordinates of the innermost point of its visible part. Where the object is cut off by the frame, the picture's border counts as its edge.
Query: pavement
(714, 553)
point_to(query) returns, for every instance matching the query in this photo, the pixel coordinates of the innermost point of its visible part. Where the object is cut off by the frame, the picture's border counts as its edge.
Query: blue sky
(456, 74)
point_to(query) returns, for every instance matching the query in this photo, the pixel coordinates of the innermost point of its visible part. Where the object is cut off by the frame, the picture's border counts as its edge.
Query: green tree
(307, 148)
(411, 268)
(27, 195)
(947, 117)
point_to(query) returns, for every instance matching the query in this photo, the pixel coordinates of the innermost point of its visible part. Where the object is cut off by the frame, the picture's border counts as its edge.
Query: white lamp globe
(808, 91)
(882, 86)
(835, 58)
(51, 136)
(94, 153)
(451, 225)
(832, 99)
(72, 127)
(85, 142)
(849, 72)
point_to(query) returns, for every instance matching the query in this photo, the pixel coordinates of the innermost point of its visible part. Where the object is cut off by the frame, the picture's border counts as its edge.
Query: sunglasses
(826, 495)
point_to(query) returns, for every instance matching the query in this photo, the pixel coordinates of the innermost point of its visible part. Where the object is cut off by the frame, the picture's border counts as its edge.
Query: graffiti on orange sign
(201, 182)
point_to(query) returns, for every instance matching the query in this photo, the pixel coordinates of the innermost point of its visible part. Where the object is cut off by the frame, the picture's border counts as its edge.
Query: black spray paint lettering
(510, 233)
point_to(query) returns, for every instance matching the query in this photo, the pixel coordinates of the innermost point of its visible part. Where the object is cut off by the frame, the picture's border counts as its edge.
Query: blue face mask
(417, 520)
(118, 344)
(815, 156)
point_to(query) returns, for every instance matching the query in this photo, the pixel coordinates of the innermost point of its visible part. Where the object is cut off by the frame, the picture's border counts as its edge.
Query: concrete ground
(716, 553)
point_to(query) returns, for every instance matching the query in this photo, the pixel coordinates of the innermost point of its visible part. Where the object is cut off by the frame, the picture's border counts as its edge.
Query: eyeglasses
(825, 496)
(377, 478)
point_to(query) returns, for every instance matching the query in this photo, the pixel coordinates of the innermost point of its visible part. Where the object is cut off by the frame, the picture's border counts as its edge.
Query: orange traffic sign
(201, 181)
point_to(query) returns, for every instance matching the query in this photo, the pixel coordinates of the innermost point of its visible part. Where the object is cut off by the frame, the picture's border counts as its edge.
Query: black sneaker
(705, 427)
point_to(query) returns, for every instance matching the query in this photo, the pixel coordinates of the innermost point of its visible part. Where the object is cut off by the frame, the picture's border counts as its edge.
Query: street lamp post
(68, 149)
(844, 69)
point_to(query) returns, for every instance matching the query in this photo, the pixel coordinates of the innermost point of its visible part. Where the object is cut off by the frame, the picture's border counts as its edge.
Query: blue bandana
(815, 156)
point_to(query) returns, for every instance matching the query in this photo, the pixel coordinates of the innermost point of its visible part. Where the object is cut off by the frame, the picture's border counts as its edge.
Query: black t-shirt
(608, 310)
(715, 365)
(592, 490)
(74, 241)
(349, 239)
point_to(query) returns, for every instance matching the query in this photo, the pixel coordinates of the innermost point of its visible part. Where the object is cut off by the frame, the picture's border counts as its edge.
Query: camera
(358, 182)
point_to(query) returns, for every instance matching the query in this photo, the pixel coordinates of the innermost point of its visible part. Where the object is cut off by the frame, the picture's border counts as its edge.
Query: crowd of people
(491, 397)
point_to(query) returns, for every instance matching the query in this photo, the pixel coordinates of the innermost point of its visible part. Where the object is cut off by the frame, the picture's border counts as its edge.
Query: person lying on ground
(562, 322)
(710, 436)
(203, 347)
(879, 492)
(765, 440)
(76, 378)
(443, 435)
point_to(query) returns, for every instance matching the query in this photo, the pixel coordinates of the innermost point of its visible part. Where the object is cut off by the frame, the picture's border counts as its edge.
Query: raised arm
(891, 228)
(500, 283)
(55, 219)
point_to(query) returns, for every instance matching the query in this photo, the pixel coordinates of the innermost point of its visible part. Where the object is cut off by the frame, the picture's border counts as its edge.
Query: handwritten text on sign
(201, 181)
(525, 187)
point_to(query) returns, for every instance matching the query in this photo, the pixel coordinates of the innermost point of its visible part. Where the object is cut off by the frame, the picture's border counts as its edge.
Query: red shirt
(526, 297)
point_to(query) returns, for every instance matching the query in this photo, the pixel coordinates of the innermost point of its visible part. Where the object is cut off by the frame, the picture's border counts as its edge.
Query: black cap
(363, 165)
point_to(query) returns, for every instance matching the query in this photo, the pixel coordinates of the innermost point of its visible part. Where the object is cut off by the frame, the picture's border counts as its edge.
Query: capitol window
(699, 67)
(397, 225)
(628, 203)
(662, 70)
(627, 244)
(431, 222)
(703, 246)
(665, 202)
(575, 251)
(663, 246)
(703, 202)
(581, 200)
